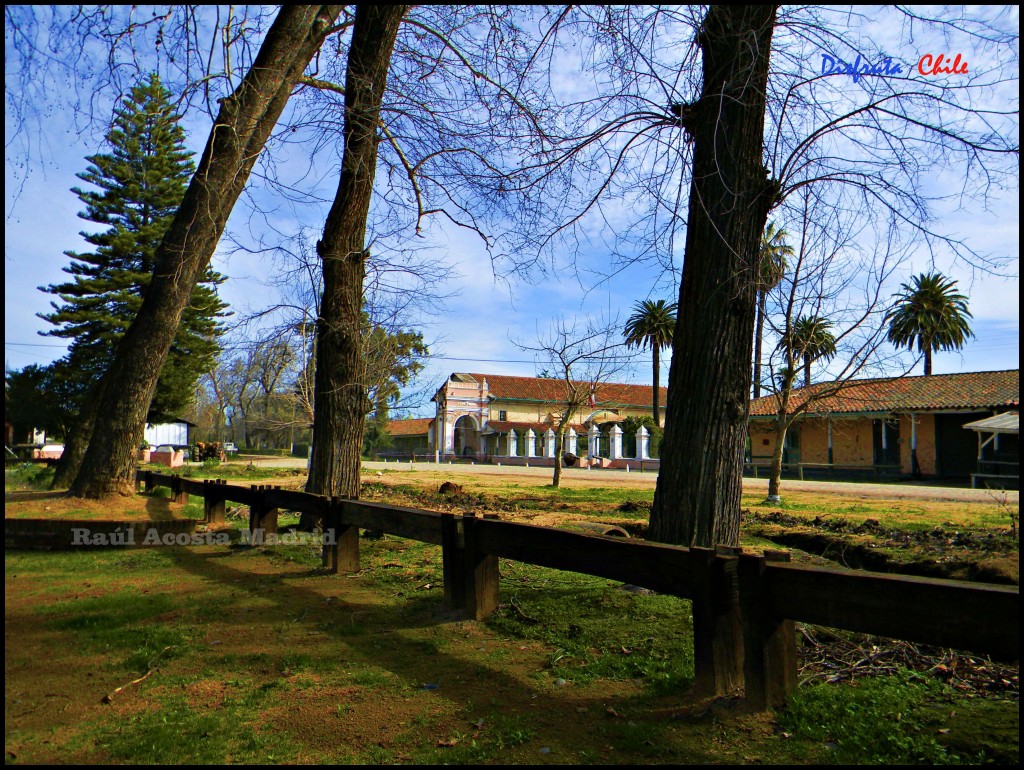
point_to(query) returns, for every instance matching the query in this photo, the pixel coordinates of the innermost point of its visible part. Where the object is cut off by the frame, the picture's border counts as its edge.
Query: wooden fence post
(140, 480)
(453, 560)
(329, 531)
(178, 493)
(769, 643)
(717, 627)
(343, 555)
(262, 518)
(481, 571)
(213, 501)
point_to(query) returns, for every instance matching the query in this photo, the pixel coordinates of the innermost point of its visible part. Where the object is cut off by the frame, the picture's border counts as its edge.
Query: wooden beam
(979, 617)
(717, 626)
(769, 642)
(481, 572)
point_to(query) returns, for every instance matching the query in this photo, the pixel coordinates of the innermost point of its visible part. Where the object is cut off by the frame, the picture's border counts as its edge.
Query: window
(502, 415)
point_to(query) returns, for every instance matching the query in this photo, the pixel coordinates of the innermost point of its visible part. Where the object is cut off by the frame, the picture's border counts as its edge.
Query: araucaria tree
(140, 183)
(931, 315)
(652, 325)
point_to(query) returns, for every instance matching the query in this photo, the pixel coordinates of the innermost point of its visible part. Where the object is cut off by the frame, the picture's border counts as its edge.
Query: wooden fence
(744, 605)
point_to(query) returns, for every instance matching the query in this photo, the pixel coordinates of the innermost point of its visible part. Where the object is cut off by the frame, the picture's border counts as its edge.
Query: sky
(477, 327)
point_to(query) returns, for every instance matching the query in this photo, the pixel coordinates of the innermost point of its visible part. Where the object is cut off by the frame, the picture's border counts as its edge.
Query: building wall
(171, 433)
(926, 451)
(853, 442)
(814, 441)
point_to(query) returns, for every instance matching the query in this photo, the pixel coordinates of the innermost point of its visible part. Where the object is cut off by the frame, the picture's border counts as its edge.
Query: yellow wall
(926, 452)
(852, 442)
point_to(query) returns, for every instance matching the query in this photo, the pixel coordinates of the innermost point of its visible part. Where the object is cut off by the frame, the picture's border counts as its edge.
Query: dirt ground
(490, 476)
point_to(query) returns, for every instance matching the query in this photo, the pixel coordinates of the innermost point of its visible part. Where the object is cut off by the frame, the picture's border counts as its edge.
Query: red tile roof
(970, 390)
(415, 427)
(544, 389)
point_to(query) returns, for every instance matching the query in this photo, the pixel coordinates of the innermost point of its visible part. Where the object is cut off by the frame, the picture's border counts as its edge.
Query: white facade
(172, 433)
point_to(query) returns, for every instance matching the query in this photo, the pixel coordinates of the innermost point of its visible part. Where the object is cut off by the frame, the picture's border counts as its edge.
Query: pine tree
(140, 183)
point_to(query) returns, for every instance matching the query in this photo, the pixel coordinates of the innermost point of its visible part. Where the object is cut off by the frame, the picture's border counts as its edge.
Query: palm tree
(812, 339)
(770, 269)
(652, 325)
(930, 313)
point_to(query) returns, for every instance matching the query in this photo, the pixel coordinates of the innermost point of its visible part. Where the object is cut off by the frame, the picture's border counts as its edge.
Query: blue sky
(475, 328)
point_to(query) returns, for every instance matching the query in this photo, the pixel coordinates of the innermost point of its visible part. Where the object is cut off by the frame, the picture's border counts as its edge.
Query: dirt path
(493, 475)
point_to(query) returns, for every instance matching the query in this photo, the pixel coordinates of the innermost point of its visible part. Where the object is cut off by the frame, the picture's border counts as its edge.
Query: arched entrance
(466, 437)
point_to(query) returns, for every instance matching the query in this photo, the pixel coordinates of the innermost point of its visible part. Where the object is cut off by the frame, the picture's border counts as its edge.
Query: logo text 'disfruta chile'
(928, 65)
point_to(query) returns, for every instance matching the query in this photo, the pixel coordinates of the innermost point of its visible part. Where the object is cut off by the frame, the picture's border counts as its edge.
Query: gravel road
(607, 477)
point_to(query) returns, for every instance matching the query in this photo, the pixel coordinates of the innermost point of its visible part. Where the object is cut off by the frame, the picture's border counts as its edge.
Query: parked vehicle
(231, 448)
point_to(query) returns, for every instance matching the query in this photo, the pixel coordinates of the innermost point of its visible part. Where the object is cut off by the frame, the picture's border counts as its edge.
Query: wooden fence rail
(744, 605)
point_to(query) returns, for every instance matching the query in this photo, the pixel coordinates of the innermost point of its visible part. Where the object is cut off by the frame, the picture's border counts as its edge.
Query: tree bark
(340, 399)
(78, 440)
(758, 341)
(782, 423)
(556, 477)
(657, 384)
(697, 499)
(242, 127)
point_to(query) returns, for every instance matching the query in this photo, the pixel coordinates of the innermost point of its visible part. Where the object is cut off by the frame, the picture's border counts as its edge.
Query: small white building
(174, 433)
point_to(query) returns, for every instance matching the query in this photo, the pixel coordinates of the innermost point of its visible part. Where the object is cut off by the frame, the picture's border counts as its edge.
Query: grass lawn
(256, 655)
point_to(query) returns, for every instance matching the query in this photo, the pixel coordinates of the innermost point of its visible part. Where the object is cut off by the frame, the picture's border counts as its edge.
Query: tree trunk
(807, 371)
(657, 382)
(243, 125)
(782, 423)
(697, 499)
(556, 478)
(775, 475)
(758, 334)
(340, 400)
(928, 361)
(78, 440)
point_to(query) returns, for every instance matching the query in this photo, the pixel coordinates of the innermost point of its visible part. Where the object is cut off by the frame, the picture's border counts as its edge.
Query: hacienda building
(513, 420)
(948, 426)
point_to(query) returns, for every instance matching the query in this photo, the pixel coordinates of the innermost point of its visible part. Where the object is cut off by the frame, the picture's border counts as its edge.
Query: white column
(615, 444)
(643, 444)
(549, 443)
(531, 443)
(449, 438)
(569, 441)
(513, 448)
(593, 441)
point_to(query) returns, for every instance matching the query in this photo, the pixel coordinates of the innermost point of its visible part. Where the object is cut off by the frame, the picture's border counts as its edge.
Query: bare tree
(737, 120)
(582, 354)
(828, 308)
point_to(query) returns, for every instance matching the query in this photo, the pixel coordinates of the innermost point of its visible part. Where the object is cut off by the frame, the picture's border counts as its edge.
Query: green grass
(178, 734)
(28, 476)
(125, 623)
(651, 638)
(883, 720)
(253, 625)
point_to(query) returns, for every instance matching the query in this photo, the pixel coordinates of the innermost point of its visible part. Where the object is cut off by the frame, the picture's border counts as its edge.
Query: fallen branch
(109, 697)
